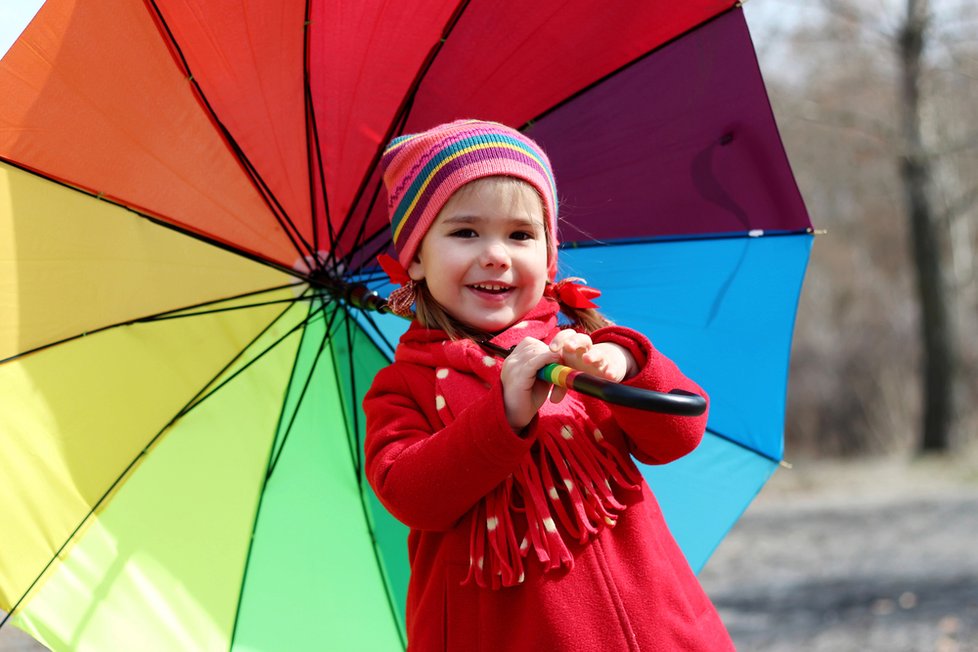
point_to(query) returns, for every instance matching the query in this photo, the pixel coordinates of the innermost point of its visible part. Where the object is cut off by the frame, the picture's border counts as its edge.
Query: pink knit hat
(423, 170)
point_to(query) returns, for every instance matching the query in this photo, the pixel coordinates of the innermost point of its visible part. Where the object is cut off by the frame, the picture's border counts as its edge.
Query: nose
(496, 255)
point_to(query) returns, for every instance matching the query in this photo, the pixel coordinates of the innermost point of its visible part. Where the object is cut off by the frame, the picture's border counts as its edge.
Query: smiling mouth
(491, 288)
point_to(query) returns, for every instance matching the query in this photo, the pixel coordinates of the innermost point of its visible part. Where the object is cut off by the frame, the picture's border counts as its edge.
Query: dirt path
(867, 557)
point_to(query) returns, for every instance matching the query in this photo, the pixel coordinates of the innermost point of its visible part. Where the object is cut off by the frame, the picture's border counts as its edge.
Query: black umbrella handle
(677, 401)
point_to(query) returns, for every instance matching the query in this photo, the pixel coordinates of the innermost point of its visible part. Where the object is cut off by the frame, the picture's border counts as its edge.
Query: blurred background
(876, 101)
(868, 542)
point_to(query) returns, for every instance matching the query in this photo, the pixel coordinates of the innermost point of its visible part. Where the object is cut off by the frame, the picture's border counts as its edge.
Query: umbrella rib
(159, 221)
(190, 405)
(348, 220)
(314, 148)
(302, 393)
(214, 311)
(350, 428)
(360, 241)
(400, 116)
(168, 314)
(742, 445)
(301, 246)
(355, 443)
(373, 324)
(380, 244)
(731, 235)
(734, 5)
(197, 401)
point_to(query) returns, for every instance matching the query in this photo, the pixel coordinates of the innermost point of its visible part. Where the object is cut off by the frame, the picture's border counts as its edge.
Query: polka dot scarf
(563, 490)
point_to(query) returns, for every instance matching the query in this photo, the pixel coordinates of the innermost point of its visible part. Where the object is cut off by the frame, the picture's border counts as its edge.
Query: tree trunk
(915, 173)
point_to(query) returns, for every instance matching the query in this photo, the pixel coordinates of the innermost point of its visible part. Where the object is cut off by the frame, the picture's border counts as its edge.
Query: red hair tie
(394, 270)
(401, 299)
(568, 292)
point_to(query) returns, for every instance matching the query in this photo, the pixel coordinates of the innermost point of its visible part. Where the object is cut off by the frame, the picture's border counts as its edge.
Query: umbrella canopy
(187, 190)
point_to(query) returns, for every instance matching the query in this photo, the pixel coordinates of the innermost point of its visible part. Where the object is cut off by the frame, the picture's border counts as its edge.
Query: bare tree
(916, 173)
(876, 109)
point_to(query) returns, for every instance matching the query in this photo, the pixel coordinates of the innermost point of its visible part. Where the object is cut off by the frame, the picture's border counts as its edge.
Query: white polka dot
(553, 493)
(522, 577)
(566, 432)
(439, 402)
(441, 373)
(492, 523)
(597, 435)
(479, 563)
(569, 484)
(549, 524)
(489, 361)
(524, 544)
(521, 324)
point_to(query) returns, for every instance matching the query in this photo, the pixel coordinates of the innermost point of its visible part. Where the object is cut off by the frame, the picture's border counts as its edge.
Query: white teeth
(490, 287)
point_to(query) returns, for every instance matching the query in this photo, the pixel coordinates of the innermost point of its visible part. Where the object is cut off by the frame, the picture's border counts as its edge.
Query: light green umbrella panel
(323, 544)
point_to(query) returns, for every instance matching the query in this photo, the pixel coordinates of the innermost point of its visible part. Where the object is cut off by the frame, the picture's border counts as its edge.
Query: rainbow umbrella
(188, 198)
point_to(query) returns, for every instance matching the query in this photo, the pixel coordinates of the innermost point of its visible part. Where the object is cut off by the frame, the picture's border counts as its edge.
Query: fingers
(523, 393)
(604, 360)
(528, 357)
(570, 342)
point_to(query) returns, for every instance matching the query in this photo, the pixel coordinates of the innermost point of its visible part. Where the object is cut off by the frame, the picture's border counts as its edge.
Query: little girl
(531, 527)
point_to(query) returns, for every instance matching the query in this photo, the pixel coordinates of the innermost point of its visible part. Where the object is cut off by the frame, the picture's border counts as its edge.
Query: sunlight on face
(484, 258)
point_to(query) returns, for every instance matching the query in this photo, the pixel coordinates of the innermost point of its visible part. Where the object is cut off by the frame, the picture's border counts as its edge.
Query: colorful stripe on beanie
(423, 170)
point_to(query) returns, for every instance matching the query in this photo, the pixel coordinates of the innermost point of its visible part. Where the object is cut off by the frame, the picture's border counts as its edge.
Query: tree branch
(852, 121)
(960, 205)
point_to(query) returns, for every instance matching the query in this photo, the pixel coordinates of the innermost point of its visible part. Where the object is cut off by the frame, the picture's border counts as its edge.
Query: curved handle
(677, 401)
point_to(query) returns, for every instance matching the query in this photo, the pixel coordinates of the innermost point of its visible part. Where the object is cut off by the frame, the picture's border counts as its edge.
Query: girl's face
(484, 258)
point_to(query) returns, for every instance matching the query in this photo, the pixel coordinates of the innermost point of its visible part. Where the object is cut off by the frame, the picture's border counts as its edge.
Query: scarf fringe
(567, 482)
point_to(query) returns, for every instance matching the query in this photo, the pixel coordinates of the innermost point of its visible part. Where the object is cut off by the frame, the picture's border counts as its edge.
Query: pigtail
(574, 300)
(587, 319)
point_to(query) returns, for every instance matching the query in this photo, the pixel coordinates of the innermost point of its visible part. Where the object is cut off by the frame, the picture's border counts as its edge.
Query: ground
(874, 556)
(864, 555)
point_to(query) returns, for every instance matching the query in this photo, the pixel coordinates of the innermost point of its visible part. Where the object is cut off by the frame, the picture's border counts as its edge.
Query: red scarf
(564, 487)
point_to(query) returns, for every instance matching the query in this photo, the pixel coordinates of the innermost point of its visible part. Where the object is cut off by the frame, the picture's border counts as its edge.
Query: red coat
(624, 587)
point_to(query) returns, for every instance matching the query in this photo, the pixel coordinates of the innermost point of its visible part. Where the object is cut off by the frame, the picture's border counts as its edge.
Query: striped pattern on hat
(423, 170)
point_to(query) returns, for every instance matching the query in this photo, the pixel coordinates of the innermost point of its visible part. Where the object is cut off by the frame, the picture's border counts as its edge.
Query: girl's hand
(523, 392)
(604, 360)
